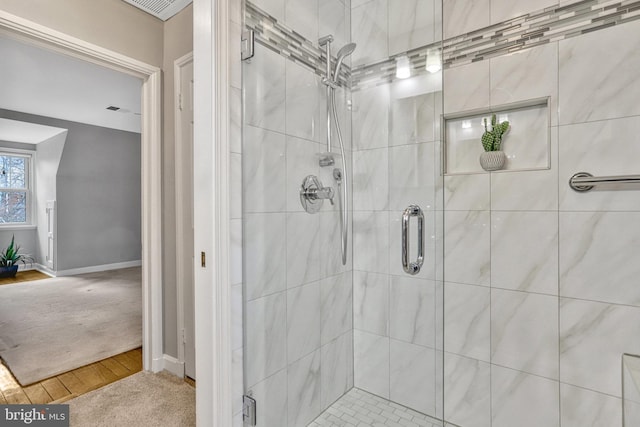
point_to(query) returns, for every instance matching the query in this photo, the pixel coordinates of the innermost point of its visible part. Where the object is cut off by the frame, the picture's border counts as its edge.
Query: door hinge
(249, 410)
(184, 337)
(180, 101)
(247, 44)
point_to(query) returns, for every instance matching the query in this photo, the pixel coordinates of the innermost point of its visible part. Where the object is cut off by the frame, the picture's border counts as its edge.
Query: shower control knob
(313, 194)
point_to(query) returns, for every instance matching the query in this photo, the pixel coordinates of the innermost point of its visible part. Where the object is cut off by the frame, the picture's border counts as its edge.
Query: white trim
(173, 365)
(179, 184)
(10, 227)
(17, 27)
(97, 268)
(211, 213)
(44, 269)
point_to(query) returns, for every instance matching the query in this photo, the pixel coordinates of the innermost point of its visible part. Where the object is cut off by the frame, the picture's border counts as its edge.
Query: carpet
(143, 399)
(55, 325)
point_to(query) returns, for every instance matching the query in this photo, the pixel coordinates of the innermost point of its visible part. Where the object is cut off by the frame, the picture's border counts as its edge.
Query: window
(15, 188)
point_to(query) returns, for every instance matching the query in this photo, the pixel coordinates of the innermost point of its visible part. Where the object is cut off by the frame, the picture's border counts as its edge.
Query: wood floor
(24, 276)
(70, 384)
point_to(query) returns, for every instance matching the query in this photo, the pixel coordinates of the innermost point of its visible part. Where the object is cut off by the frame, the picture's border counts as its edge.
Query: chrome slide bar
(584, 181)
(412, 268)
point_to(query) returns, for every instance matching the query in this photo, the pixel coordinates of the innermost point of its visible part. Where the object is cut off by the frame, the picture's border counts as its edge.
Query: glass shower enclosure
(342, 212)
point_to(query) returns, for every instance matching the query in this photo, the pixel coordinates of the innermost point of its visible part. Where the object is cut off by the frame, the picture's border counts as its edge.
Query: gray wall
(98, 194)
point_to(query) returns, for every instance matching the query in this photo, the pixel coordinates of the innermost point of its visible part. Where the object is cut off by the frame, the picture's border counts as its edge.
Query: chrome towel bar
(584, 181)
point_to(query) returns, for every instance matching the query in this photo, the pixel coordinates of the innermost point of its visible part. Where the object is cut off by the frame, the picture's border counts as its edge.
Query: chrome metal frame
(584, 181)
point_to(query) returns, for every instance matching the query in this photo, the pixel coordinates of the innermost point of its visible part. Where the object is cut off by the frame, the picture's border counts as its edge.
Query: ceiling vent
(163, 9)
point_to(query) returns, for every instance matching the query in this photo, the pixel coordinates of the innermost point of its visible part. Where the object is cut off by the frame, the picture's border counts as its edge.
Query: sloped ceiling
(38, 81)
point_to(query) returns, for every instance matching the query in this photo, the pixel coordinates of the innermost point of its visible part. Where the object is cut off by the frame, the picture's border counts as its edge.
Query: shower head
(345, 51)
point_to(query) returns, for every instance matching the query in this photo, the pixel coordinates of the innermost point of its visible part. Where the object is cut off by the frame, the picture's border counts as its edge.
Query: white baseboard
(44, 269)
(92, 269)
(173, 365)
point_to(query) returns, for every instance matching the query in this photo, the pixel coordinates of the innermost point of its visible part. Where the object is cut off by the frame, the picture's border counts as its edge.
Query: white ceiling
(28, 133)
(38, 81)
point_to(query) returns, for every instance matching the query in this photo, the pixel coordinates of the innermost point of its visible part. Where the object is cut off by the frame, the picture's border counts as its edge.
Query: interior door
(185, 108)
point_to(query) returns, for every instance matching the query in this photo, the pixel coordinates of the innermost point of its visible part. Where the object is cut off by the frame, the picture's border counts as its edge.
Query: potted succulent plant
(493, 157)
(10, 257)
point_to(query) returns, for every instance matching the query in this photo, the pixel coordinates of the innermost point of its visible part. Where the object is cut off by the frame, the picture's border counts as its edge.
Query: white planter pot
(492, 160)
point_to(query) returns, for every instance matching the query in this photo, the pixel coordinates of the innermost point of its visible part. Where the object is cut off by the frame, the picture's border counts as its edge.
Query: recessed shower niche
(526, 144)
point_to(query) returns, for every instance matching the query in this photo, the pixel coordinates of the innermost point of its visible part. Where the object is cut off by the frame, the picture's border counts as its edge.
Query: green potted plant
(493, 157)
(10, 257)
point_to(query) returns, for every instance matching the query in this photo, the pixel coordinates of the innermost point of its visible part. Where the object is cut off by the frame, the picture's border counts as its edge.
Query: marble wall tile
(235, 120)
(412, 310)
(266, 337)
(330, 245)
(302, 160)
(371, 237)
(412, 370)
(264, 171)
(302, 17)
(428, 270)
(337, 368)
(528, 74)
(264, 254)
(502, 10)
(371, 118)
(305, 103)
(467, 325)
(413, 119)
(236, 317)
(463, 16)
(523, 400)
(467, 247)
(235, 256)
(596, 257)
(371, 302)
(371, 363)
(304, 390)
(274, 8)
(235, 11)
(587, 147)
(466, 87)
(411, 24)
(272, 395)
(369, 32)
(336, 298)
(264, 96)
(237, 385)
(333, 19)
(303, 321)
(371, 180)
(524, 251)
(596, 81)
(467, 398)
(303, 249)
(235, 61)
(412, 176)
(590, 329)
(528, 190)
(524, 332)
(585, 408)
(467, 192)
(235, 172)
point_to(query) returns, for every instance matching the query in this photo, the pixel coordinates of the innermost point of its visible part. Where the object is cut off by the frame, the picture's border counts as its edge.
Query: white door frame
(181, 174)
(31, 32)
(211, 212)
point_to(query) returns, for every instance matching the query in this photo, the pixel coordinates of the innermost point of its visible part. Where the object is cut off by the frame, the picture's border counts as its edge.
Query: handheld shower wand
(331, 81)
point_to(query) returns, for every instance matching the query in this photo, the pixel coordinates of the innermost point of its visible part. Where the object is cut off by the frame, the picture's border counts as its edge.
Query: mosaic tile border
(524, 32)
(287, 42)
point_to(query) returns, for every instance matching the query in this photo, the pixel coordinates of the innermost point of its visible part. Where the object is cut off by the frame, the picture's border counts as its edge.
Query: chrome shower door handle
(412, 268)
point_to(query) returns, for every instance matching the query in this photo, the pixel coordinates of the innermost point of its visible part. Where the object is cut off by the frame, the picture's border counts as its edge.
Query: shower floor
(357, 408)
